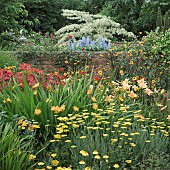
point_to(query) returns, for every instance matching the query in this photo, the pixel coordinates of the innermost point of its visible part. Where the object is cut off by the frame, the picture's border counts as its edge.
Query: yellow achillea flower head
(97, 157)
(82, 162)
(128, 161)
(116, 166)
(105, 156)
(84, 153)
(31, 156)
(53, 155)
(95, 152)
(41, 163)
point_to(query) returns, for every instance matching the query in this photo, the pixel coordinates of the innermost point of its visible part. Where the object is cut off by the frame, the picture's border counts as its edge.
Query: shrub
(8, 59)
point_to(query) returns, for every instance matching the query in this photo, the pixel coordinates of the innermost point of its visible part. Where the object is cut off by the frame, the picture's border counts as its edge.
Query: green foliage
(8, 40)
(14, 150)
(159, 20)
(163, 23)
(45, 15)
(10, 12)
(136, 16)
(8, 59)
(167, 21)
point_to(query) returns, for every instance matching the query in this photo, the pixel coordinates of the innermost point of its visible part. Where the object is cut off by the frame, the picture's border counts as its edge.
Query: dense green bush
(8, 59)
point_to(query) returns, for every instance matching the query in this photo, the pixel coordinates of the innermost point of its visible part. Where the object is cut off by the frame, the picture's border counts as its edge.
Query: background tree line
(45, 15)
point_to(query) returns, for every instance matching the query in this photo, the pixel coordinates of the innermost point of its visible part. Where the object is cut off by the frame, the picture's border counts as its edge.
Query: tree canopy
(45, 15)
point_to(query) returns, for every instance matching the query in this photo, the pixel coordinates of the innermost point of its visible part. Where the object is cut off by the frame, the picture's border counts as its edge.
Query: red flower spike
(96, 78)
(82, 72)
(69, 37)
(61, 69)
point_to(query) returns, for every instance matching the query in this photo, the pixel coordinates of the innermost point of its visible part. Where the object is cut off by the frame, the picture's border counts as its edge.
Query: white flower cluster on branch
(88, 24)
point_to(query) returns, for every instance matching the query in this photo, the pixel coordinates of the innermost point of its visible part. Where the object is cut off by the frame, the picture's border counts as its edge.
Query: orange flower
(135, 87)
(24, 124)
(58, 109)
(95, 106)
(148, 91)
(37, 111)
(142, 83)
(132, 95)
(93, 99)
(75, 108)
(121, 72)
(90, 91)
(125, 84)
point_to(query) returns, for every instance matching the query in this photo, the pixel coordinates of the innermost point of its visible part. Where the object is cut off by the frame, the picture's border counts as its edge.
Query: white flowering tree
(95, 26)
